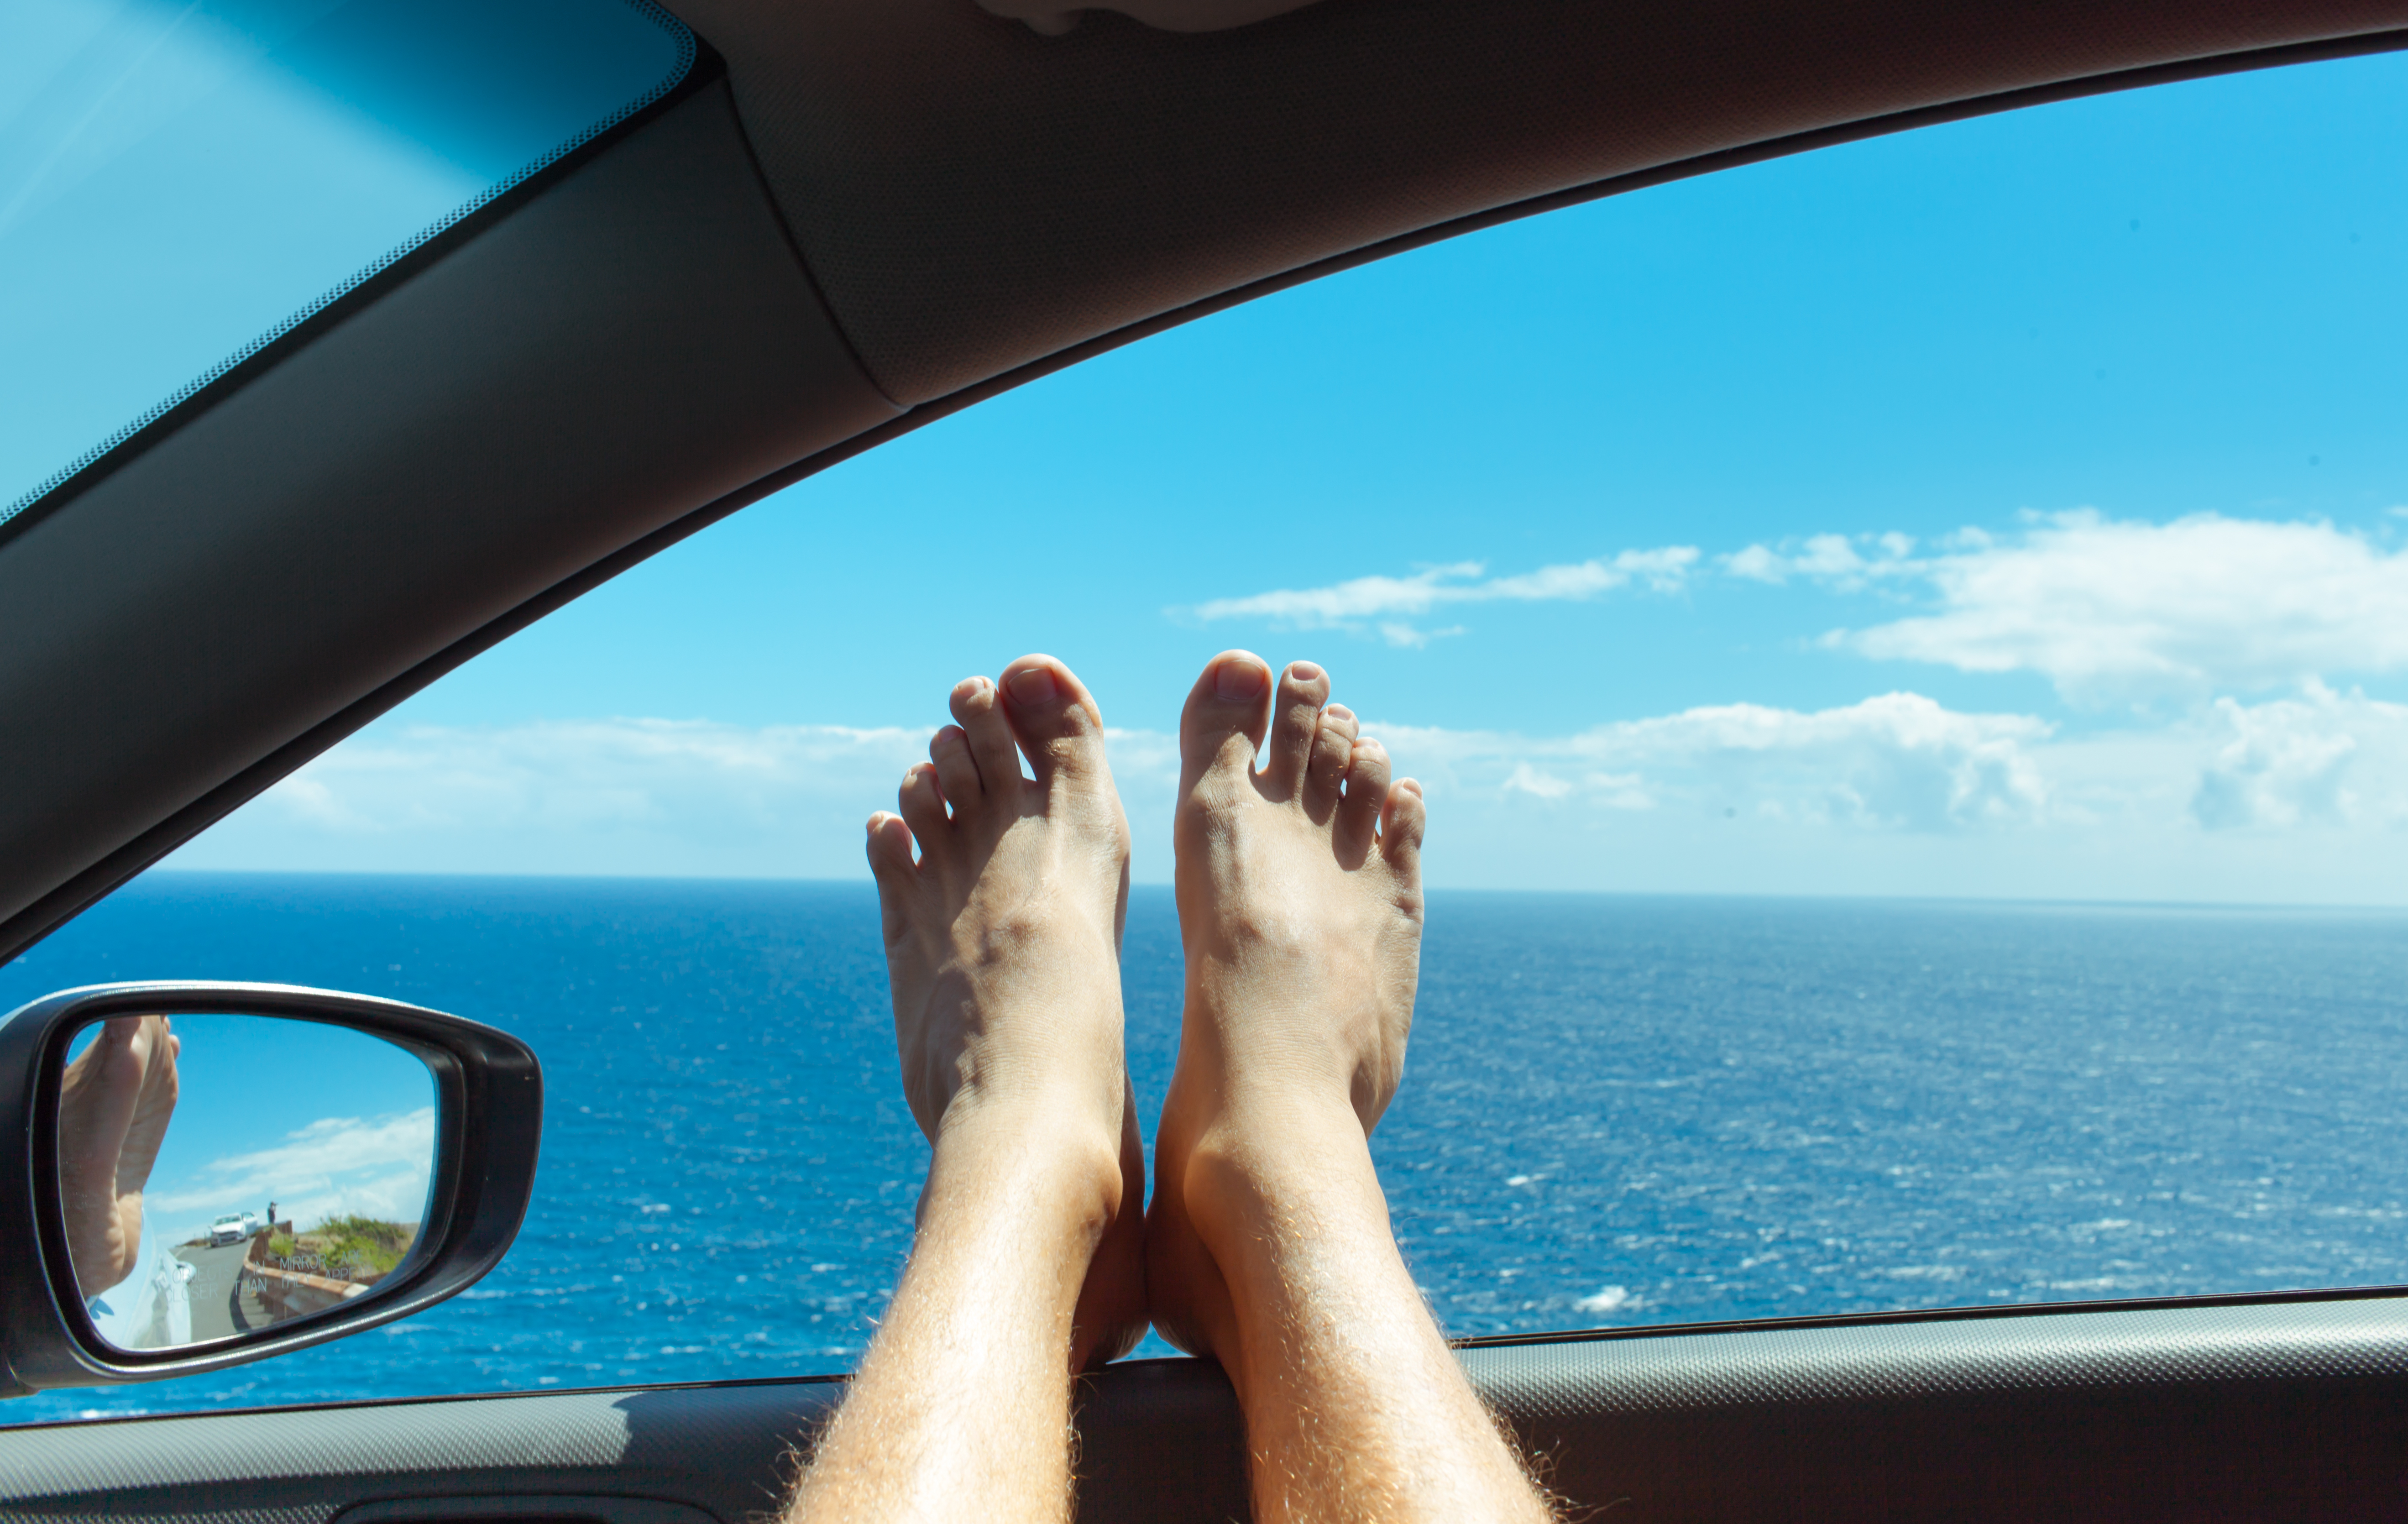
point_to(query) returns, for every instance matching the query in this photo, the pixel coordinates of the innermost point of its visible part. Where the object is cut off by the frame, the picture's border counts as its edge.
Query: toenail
(1303, 671)
(1239, 679)
(1338, 712)
(1034, 687)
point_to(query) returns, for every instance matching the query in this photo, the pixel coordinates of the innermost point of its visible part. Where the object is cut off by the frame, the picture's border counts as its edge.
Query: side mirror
(196, 1175)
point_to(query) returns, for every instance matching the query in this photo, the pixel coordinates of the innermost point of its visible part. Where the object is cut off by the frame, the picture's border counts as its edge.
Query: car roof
(972, 197)
(852, 217)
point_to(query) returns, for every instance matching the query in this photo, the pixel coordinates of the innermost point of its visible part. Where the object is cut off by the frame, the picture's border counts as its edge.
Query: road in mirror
(222, 1174)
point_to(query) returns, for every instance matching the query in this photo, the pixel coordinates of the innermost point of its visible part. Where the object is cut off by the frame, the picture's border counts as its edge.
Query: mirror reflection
(221, 1173)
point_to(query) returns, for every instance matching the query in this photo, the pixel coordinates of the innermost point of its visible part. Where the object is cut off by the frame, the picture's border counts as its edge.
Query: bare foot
(114, 1105)
(1003, 951)
(1300, 908)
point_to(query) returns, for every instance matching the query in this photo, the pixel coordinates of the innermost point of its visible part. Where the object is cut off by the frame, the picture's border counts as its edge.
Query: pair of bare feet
(1267, 1246)
(1300, 906)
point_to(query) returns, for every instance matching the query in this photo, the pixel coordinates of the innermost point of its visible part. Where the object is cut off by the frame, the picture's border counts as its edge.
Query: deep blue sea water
(1618, 1110)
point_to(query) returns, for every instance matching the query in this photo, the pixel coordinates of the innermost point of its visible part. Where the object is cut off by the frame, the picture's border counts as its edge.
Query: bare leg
(1002, 945)
(1268, 1244)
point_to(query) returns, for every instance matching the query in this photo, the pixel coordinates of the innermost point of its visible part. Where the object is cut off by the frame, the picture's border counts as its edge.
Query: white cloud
(1899, 761)
(1902, 763)
(2108, 611)
(1530, 780)
(1405, 636)
(1345, 605)
(579, 772)
(2112, 610)
(377, 1167)
(2297, 798)
(2322, 758)
(1831, 558)
(613, 796)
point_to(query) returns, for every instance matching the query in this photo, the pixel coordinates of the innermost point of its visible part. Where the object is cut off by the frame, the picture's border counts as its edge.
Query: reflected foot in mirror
(1003, 951)
(115, 1102)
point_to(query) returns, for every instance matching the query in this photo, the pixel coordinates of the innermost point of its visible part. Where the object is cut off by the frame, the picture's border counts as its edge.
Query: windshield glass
(180, 180)
(1903, 646)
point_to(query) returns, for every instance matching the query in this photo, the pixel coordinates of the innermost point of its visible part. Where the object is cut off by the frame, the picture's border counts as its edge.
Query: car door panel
(2272, 1410)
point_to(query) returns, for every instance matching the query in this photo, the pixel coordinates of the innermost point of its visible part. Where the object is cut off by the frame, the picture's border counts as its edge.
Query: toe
(1366, 794)
(1222, 726)
(890, 864)
(1056, 717)
(957, 775)
(1333, 745)
(922, 799)
(980, 708)
(1295, 718)
(1401, 828)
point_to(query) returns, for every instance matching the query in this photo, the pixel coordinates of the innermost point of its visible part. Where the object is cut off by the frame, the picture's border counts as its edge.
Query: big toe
(1227, 710)
(898, 876)
(1058, 725)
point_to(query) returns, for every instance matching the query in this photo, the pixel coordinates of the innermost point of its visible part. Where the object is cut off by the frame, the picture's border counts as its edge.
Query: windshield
(181, 181)
(1903, 649)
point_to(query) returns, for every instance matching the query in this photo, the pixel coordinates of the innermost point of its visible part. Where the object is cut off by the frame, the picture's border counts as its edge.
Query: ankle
(1262, 1172)
(1029, 1160)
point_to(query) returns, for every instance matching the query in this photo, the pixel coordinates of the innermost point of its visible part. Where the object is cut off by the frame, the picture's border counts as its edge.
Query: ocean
(1617, 1110)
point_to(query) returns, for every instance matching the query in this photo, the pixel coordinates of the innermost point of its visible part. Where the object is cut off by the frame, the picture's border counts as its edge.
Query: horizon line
(865, 883)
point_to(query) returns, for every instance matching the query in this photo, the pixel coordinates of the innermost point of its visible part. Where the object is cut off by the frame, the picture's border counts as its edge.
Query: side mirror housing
(133, 1248)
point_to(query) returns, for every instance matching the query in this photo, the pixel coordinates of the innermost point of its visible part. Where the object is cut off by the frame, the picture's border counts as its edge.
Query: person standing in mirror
(115, 1102)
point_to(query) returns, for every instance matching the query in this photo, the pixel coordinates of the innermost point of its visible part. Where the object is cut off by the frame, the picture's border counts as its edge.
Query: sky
(2015, 508)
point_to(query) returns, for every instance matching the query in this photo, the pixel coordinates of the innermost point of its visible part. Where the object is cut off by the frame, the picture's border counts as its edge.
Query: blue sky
(2005, 508)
